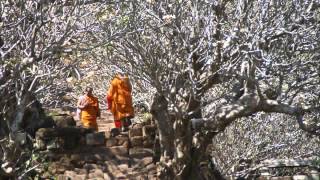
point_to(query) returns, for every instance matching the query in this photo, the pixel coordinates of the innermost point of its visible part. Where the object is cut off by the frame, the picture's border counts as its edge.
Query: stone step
(117, 141)
(106, 125)
(139, 153)
(105, 121)
(102, 150)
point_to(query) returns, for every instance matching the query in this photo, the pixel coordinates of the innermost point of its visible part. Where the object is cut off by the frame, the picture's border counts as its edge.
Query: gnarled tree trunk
(182, 149)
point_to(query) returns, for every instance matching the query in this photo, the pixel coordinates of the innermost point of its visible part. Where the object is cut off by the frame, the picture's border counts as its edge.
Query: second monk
(120, 101)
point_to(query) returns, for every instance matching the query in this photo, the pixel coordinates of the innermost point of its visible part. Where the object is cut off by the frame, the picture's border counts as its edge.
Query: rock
(40, 144)
(61, 169)
(97, 173)
(137, 152)
(80, 177)
(314, 174)
(35, 118)
(118, 150)
(148, 142)
(99, 157)
(67, 138)
(263, 178)
(115, 132)
(151, 166)
(122, 140)
(149, 131)
(70, 174)
(111, 142)
(57, 111)
(142, 163)
(136, 141)
(90, 167)
(122, 159)
(46, 133)
(137, 125)
(126, 144)
(300, 177)
(70, 142)
(74, 158)
(281, 178)
(53, 156)
(64, 121)
(62, 177)
(81, 171)
(136, 131)
(95, 138)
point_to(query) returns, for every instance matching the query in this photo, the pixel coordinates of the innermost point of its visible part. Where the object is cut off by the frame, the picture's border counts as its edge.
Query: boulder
(149, 130)
(53, 138)
(137, 152)
(148, 142)
(136, 141)
(112, 141)
(122, 141)
(136, 131)
(95, 138)
(114, 132)
(64, 121)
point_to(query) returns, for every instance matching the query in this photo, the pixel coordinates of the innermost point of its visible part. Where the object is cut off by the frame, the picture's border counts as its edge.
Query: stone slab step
(105, 121)
(139, 153)
(115, 150)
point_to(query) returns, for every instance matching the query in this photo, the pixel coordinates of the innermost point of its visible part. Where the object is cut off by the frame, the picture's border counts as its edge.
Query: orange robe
(90, 113)
(120, 99)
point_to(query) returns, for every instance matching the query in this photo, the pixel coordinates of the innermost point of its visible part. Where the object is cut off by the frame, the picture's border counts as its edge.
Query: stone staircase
(127, 155)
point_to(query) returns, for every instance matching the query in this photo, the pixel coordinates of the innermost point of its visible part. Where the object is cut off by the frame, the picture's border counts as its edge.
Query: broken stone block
(115, 132)
(148, 142)
(64, 121)
(74, 158)
(122, 140)
(300, 177)
(138, 125)
(111, 142)
(144, 162)
(314, 174)
(118, 151)
(97, 173)
(61, 132)
(136, 131)
(138, 152)
(281, 178)
(149, 130)
(54, 143)
(95, 138)
(136, 141)
(68, 137)
(40, 144)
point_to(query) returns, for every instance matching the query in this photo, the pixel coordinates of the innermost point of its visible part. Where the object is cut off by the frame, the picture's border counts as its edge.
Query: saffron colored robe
(90, 113)
(119, 99)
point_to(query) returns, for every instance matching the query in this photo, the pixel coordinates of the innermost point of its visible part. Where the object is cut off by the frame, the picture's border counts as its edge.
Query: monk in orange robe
(119, 101)
(89, 106)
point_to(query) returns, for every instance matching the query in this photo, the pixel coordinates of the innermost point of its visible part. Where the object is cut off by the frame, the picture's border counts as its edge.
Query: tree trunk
(159, 110)
(182, 149)
(16, 124)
